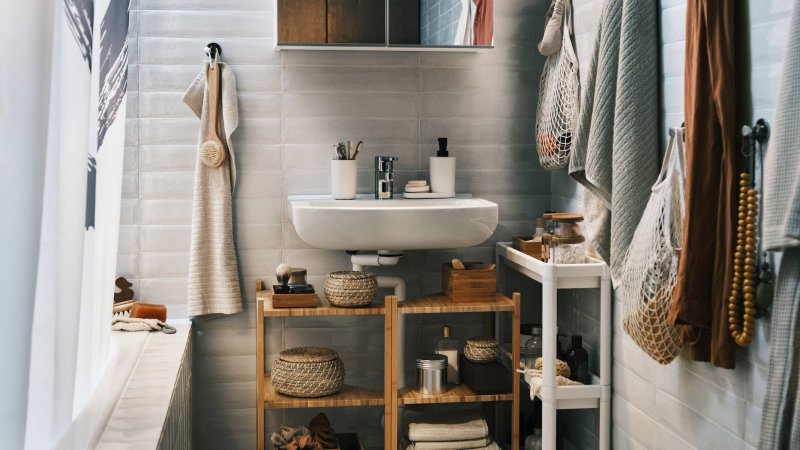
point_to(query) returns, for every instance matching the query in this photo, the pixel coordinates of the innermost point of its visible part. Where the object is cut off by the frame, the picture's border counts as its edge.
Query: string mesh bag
(559, 92)
(651, 266)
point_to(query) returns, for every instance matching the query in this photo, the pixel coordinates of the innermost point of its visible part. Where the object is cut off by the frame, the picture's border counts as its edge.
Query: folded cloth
(294, 438)
(121, 323)
(453, 445)
(489, 445)
(322, 432)
(441, 427)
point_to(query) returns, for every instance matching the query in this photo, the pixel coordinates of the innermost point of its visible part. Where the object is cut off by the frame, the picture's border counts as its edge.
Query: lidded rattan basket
(350, 288)
(482, 350)
(308, 372)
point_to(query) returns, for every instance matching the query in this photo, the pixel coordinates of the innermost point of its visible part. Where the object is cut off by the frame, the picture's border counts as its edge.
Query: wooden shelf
(323, 310)
(440, 304)
(456, 394)
(348, 396)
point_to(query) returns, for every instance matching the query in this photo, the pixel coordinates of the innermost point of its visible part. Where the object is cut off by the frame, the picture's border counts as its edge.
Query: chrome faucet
(384, 177)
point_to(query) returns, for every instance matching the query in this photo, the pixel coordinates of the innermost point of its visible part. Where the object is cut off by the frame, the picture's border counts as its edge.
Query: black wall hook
(213, 50)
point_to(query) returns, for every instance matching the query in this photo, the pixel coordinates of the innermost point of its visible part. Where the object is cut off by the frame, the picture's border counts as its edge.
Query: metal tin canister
(432, 374)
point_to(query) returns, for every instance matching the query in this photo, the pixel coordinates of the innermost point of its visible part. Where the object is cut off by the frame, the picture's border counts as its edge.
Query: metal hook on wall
(214, 52)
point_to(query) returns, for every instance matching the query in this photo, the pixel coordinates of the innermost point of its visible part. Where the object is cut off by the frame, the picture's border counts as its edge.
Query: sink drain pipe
(384, 258)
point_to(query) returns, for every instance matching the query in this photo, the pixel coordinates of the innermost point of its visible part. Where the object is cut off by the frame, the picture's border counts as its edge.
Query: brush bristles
(212, 153)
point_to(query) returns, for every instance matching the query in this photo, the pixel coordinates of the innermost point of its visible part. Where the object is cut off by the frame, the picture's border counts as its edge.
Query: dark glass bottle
(578, 361)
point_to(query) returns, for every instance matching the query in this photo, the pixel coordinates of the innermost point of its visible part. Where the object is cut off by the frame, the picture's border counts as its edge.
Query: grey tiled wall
(293, 107)
(684, 405)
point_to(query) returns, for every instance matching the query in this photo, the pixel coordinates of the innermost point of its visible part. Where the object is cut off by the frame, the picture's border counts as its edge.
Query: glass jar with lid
(568, 250)
(533, 347)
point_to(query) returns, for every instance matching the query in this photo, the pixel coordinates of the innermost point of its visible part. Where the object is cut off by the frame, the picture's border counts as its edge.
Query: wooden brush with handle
(212, 151)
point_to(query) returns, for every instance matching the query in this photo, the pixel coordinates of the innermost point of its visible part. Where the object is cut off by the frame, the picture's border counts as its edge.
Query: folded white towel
(442, 426)
(418, 446)
(453, 445)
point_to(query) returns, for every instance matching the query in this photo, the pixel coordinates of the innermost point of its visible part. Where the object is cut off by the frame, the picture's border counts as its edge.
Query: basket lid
(308, 355)
(567, 217)
(480, 342)
(351, 275)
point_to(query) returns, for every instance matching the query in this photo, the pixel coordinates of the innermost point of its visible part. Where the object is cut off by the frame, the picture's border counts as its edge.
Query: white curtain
(80, 218)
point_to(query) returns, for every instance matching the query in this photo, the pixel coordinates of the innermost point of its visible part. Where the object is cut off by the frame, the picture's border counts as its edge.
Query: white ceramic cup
(344, 173)
(443, 174)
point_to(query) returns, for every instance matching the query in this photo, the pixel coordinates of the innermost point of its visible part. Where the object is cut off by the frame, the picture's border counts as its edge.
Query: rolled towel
(442, 426)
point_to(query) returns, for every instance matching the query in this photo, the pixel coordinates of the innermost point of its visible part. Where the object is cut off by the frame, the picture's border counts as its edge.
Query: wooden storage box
(484, 378)
(470, 285)
(526, 245)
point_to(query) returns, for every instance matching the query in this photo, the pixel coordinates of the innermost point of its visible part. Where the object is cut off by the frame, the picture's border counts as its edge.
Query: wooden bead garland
(743, 289)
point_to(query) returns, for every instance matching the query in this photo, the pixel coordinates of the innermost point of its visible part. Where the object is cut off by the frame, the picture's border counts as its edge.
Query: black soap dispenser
(578, 361)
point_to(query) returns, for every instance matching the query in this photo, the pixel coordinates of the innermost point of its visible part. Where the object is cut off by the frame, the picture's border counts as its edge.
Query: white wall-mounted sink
(397, 224)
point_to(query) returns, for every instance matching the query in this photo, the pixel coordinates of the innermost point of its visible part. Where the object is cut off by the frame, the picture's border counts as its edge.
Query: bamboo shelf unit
(594, 274)
(391, 398)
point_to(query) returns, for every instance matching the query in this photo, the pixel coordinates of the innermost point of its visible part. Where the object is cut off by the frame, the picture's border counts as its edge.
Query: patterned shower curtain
(80, 218)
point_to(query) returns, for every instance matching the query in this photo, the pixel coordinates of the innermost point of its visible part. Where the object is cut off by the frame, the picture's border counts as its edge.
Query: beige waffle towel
(213, 271)
(441, 427)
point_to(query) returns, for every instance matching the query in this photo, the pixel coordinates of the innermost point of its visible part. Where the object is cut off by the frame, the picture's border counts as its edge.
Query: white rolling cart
(594, 274)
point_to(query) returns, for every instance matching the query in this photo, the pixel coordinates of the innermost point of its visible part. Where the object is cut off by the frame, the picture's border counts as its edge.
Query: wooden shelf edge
(348, 396)
(435, 304)
(322, 310)
(456, 394)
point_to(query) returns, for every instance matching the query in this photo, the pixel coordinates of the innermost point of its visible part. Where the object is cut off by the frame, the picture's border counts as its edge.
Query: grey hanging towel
(780, 422)
(617, 143)
(213, 271)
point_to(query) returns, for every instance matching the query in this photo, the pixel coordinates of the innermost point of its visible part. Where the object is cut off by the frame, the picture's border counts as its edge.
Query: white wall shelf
(592, 275)
(384, 48)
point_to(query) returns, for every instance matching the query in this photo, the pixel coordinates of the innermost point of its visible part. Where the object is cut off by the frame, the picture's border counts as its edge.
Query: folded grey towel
(442, 426)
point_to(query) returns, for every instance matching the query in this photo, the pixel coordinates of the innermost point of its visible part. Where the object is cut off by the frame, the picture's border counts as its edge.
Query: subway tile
(482, 81)
(166, 212)
(330, 130)
(166, 185)
(478, 131)
(165, 238)
(187, 24)
(638, 425)
(205, 5)
(177, 78)
(164, 290)
(191, 50)
(467, 105)
(694, 428)
(350, 79)
(164, 265)
(350, 105)
(350, 59)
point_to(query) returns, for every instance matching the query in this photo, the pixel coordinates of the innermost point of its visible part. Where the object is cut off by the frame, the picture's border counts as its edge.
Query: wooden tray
(293, 300)
(468, 285)
(526, 245)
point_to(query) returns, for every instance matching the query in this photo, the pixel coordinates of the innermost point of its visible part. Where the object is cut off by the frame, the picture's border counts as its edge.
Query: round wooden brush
(212, 151)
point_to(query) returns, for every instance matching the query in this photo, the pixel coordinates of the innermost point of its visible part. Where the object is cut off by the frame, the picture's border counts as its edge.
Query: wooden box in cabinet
(470, 285)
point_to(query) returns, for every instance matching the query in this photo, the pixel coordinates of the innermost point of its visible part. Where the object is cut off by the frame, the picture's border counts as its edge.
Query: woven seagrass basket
(482, 350)
(350, 289)
(308, 372)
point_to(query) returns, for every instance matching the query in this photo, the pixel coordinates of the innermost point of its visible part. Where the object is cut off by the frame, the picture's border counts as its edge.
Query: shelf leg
(515, 344)
(259, 369)
(391, 411)
(548, 393)
(605, 359)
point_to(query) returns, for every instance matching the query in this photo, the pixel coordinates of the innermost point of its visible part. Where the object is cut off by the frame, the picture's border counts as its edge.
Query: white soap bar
(417, 188)
(417, 183)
